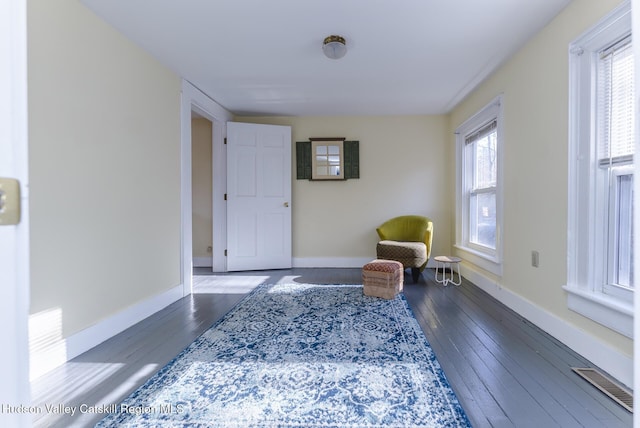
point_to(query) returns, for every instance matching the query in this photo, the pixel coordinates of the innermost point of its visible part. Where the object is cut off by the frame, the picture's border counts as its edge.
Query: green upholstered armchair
(406, 239)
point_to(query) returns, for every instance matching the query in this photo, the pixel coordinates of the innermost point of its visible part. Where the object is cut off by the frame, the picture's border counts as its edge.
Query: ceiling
(258, 57)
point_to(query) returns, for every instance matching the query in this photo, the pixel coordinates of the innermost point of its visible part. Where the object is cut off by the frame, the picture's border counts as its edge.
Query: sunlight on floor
(130, 384)
(235, 284)
(46, 346)
(88, 378)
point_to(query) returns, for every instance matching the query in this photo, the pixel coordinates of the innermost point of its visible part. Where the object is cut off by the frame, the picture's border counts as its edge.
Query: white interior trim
(635, 28)
(611, 312)
(330, 262)
(490, 264)
(585, 266)
(203, 262)
(194, 99)
(14, 240)
(339, 262)
(609, 359)
(79, 343)
(490, 260)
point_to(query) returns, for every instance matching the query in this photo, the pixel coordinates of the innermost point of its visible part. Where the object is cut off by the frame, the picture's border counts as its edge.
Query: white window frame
(487, 258)
(586, 273)
(610, 287)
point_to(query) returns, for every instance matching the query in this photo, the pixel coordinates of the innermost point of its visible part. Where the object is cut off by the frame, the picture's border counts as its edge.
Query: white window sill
(613, 313)
(484, 261)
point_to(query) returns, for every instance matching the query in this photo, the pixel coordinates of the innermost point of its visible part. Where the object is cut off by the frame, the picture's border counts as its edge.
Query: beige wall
(535, 87)
(404, 165)
(105, 173)
(104, 125)
(201, 134)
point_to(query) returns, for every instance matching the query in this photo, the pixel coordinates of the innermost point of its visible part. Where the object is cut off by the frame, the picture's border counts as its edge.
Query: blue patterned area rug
(301, 355)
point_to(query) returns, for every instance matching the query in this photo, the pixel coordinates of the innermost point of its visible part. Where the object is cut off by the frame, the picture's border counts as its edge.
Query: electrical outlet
(535, 258)
(209, 249)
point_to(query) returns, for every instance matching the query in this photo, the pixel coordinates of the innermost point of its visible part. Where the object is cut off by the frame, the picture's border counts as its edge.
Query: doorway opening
(196, 105)
(202, 191)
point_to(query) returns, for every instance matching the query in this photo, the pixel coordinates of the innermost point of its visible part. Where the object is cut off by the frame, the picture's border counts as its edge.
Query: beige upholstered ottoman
(382, 278)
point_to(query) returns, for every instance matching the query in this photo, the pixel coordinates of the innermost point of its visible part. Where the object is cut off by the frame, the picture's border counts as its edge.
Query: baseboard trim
(68, 348)
(338, 262)
(607, 358)
(202, 262)
(330, 262)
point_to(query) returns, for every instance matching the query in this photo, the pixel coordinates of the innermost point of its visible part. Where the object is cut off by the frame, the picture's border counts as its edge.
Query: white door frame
(635, 29)
(14, 240)
(195, 100)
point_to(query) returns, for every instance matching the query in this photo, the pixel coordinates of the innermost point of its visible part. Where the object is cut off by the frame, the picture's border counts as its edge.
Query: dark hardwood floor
(505, 371)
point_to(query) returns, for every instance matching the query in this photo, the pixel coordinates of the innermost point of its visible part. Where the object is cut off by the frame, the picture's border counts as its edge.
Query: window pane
(485, 165)
(616, 142)
(482, 215)
(616, 99)
(623, 268)
(322, 159)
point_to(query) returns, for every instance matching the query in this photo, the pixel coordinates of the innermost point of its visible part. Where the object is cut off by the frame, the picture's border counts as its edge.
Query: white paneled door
(258, 196)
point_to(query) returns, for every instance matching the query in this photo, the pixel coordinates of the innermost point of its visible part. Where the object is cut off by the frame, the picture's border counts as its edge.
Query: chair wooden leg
(415, 274)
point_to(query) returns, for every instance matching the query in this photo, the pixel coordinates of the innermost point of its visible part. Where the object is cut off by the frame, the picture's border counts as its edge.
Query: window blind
(616, 101)
(482, 132)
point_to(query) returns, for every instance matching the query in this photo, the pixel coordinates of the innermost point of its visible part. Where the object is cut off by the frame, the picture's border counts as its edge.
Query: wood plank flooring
(505, 371)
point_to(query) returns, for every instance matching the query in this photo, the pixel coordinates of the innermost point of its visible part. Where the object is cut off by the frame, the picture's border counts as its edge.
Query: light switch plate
(535, 258)
(9, 201)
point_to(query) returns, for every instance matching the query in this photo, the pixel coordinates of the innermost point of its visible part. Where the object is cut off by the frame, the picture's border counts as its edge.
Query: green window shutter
(351, 159)
(303, 160)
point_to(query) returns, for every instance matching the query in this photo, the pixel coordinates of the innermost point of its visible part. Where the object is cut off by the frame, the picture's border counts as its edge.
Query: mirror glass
(327, 160)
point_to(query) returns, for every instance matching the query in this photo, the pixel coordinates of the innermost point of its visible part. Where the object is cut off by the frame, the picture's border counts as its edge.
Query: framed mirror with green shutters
(327, 159)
